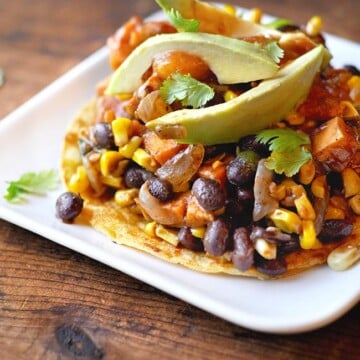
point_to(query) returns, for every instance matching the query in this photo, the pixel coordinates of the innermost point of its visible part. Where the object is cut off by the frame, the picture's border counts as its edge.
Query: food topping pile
(230, 138)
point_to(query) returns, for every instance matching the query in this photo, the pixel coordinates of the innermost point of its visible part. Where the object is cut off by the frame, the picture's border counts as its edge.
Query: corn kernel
(79, 181)
(266, 249)
(343, 257)
(351, 181)
(286, 220)
(166, 234)
(109, 116)
(230, 9)
(318, 186)
(354, 82)
(255, 15)
(308, 239)
(128, 149)
(354, 85)
(354, 203)
(295, 118)
(349, 110)
(216, 164)
(109, 161)
(124, 96)
(122, 165)
(333, 212)
(229, 95)
(142, 158)
(339, 202)
(307, 172)
(198, 232)
(120, 128)
(113, 181)
(278, 192)
(150, 228)
(304, 208)
(314, 25)
(126, 197)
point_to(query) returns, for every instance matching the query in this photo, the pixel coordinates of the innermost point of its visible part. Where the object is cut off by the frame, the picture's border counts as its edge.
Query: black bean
(273, 267)
(335, 230)
(85, 146)
(237, 213)
(214, 150)
(250, 143)
(217, 237)
(68, 206)
(241, 170)
(103, 135)
(269, 233)
(135, 176)
(208, 193)
(160, 189)
(353, 69)
(334, 180)
(243, 253)
(288, 28)
(189, 241)
(245, 195)
(287, 247)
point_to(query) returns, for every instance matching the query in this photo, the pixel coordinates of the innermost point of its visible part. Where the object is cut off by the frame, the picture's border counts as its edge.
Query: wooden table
(57, 304)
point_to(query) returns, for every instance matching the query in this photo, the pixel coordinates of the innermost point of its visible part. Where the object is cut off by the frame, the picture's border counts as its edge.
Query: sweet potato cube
(161, 149)
(334, 144)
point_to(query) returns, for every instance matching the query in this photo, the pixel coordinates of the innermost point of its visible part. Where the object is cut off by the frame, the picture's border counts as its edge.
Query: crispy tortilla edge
(124, 227)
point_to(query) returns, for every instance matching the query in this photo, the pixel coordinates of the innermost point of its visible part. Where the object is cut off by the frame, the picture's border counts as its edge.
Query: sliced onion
(156, 210)
(320, 207)
(264, 203)
(93, 174)
(151, 107)
(183, 166)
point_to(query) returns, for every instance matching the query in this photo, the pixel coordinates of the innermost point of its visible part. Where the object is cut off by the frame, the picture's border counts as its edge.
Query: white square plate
(30, 140)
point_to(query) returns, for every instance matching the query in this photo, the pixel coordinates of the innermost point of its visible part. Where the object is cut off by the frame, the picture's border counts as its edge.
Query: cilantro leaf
(281, 139)
(287, 151)
(182, 24)
(275, 51)
(186, 89)
(31, 183)
(176, 19)
(288, 163)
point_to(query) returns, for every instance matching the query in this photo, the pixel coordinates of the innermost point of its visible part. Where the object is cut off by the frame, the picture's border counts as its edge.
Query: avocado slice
(250, 112)
(214, 20)
(231, 60)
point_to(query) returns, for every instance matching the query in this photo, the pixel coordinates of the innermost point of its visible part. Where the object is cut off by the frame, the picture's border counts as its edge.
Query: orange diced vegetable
(335, 144)
(214, 171)
(196, 215)
(161, 149)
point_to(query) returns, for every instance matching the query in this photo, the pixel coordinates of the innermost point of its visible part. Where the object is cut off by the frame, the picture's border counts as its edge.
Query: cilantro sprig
(275, 51)
(177, 20)
(189, 91)
(31, 183)
(288, 153)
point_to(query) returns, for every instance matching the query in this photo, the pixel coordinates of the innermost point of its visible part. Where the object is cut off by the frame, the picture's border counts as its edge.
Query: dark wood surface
(57, 304)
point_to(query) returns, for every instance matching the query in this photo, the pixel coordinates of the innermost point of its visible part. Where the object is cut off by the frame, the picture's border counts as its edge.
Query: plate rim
(11, 215)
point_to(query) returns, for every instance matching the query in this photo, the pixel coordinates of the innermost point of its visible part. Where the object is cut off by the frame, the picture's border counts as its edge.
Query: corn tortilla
(125, 227)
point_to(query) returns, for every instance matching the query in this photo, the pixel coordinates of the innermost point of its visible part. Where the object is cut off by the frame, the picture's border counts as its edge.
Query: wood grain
(57, 304)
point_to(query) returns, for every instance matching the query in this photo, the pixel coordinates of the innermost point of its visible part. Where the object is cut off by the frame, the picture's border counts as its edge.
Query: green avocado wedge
(213, 19)
(231, 60)
(250, 112)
